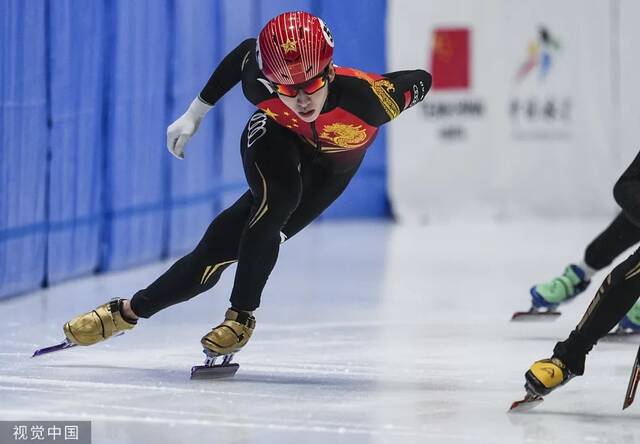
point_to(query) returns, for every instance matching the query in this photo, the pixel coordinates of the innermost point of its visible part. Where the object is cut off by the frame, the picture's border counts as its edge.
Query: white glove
(180, 131)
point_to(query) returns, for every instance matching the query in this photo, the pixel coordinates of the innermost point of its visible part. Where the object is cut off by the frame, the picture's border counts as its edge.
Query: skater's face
(307, 99)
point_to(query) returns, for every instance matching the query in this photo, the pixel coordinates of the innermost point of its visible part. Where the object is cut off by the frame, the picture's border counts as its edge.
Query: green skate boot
(560, 289)
(546, 297)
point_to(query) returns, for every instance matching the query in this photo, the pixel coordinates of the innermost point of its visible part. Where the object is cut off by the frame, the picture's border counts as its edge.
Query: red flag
(450, 58)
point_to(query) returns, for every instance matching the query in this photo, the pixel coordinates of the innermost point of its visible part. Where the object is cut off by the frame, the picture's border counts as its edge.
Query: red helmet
(294, 47)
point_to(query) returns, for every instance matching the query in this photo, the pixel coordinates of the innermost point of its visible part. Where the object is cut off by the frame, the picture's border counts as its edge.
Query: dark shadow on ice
(521, 418)
(152, 373)
(350, 382)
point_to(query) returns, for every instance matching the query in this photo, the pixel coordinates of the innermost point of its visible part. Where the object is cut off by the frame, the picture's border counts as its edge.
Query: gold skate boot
(230, 336)
(222, 342)
(97, 325)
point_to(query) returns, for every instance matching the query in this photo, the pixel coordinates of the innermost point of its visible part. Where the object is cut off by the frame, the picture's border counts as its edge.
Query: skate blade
(529, 402)
(53, 348)
(61, 346)
(535, 316)
(634, 381)
(214, 371)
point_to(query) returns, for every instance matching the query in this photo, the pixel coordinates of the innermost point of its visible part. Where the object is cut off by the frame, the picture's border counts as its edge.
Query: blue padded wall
(76, 63)
(134, 156)
(23, 145)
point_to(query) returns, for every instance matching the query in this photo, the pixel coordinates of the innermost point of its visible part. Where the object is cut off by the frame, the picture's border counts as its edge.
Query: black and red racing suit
(294, 170)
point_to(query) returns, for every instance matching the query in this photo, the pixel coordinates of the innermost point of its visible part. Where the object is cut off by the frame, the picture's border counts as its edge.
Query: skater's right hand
(180, 131)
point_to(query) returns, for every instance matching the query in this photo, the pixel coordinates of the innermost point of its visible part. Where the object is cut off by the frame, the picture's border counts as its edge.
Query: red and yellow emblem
(345, 135)
(338, 130)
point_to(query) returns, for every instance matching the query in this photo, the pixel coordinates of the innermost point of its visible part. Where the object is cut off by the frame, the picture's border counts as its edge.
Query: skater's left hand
(180, 131)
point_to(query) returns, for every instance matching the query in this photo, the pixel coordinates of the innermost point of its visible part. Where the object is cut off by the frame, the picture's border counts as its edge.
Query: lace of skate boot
(97, 325)
(560, 289)
(231, 335)
(546, 375)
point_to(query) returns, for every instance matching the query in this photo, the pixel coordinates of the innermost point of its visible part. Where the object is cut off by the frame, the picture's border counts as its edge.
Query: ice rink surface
(368, 333)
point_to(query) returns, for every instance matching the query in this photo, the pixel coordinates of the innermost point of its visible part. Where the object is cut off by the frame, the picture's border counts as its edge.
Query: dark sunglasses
(309, 87)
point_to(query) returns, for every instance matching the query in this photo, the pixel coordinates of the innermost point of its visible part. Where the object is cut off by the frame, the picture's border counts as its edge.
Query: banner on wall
(451, 68)
(519, 120)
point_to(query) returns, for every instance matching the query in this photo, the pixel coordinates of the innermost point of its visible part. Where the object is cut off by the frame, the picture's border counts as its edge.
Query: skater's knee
(597, 256)
(277, 207)
(624, 192)
(619, 191)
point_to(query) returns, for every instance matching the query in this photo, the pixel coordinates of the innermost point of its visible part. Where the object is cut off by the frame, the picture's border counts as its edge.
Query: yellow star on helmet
(289, 46)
